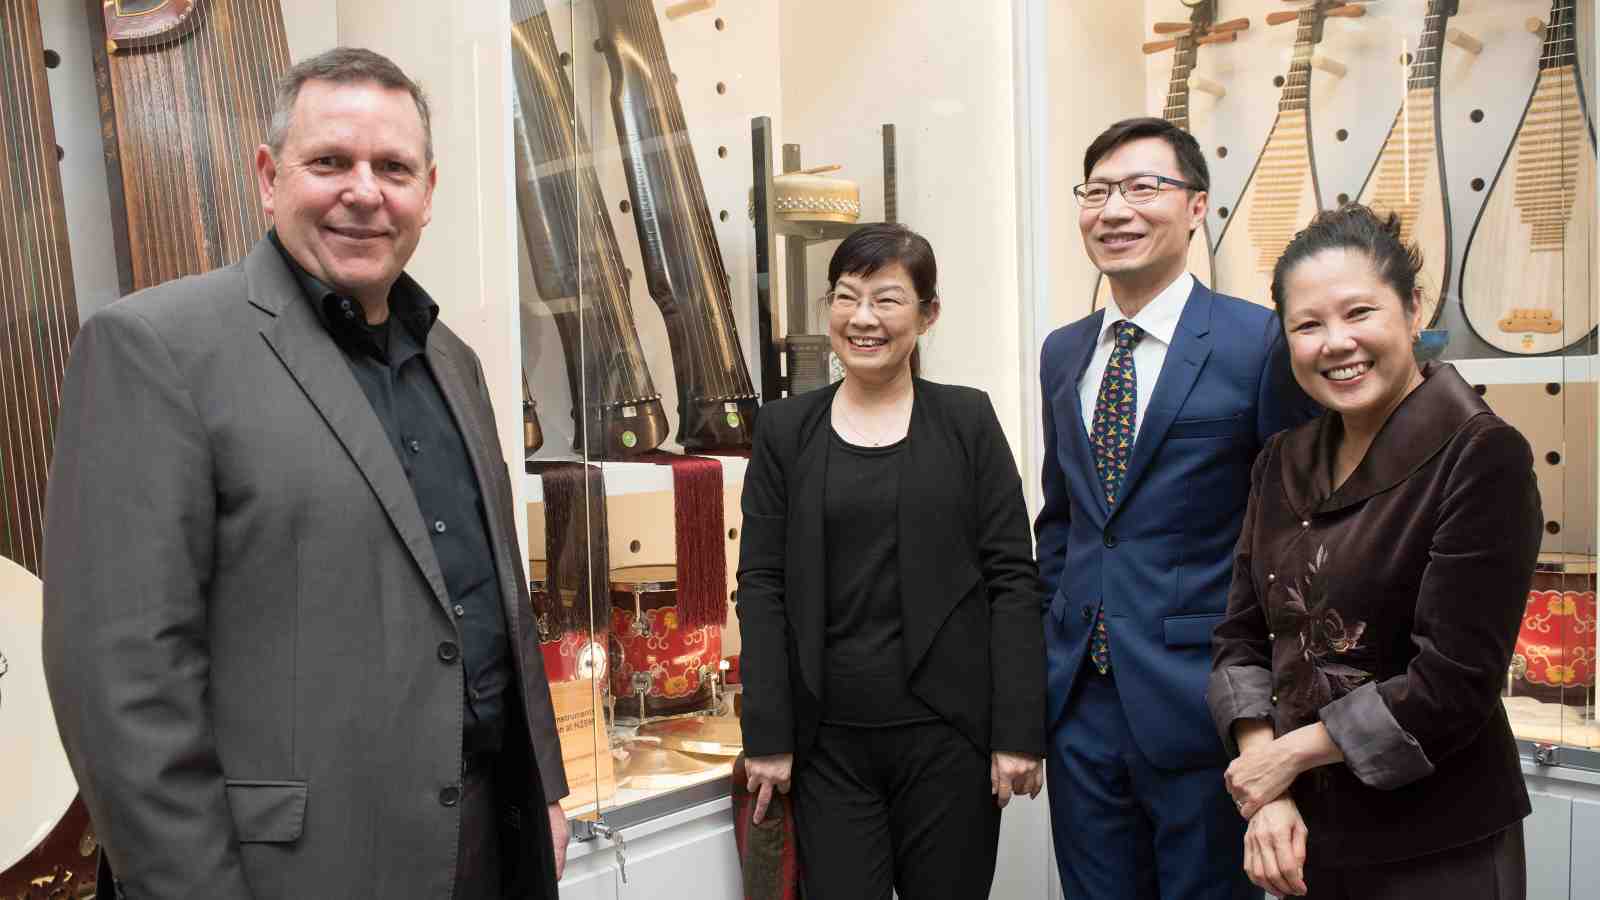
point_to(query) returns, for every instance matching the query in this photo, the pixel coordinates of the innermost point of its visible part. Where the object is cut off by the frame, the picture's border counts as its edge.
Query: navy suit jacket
(1162, 559)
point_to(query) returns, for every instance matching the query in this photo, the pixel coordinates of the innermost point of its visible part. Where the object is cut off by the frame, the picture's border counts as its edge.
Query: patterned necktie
(1116, 416)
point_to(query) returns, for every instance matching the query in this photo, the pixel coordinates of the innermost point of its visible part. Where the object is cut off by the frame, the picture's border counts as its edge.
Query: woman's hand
(763, 773)
(1275, 849)
(1265, 769)
(1014, 773)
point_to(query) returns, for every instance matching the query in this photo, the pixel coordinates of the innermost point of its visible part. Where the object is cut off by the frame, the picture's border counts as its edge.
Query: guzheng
(1408, 178)
(1527, 282)
(1203, 29)
(186, 92)
(1282, 193)
(46, 844)
(683, 264)
(577, 264)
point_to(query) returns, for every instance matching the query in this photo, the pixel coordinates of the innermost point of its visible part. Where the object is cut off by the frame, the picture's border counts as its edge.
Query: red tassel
(702, 553)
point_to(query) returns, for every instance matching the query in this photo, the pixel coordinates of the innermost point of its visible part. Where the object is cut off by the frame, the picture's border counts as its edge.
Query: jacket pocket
(1206, 428)
(1191, 630)
(269, 812)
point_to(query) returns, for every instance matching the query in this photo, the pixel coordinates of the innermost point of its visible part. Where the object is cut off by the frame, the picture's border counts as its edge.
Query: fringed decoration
(577, 592)
(701, 547)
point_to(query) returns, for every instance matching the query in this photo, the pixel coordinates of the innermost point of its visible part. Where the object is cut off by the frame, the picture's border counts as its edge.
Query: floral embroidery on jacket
(1324, 637)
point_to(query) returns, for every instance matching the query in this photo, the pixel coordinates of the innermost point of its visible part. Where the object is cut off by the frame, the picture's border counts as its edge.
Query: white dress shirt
(1159, 321)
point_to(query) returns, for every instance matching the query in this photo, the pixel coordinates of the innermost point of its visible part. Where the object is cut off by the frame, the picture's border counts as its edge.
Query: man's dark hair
(343, 65)
(1191, 162)
(1355, 227)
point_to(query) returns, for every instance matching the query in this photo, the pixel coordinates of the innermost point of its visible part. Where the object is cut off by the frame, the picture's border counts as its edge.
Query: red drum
(658, 669)
(1554, 659)
(568, 655)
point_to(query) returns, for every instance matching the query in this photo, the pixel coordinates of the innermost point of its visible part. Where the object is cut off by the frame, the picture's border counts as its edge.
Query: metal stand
(806, 355)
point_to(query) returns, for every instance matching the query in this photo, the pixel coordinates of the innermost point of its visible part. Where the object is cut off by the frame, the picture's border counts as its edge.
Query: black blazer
(1388, 610)
(970, 591)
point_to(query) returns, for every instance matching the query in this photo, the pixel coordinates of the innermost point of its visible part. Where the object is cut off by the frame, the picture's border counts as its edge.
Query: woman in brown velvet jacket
(1378, 582)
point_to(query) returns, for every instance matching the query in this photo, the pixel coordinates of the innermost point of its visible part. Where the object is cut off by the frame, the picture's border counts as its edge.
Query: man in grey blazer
(286, 633)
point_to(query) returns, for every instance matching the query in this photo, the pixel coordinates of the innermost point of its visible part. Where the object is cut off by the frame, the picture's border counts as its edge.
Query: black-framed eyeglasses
(1136, 189)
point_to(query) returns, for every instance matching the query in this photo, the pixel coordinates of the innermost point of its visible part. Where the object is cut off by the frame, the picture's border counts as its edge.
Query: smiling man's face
(352, 187)
(1147, 242)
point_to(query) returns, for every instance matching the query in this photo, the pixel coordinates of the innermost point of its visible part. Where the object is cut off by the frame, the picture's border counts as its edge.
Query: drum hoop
(1573, 564)
(621, 582)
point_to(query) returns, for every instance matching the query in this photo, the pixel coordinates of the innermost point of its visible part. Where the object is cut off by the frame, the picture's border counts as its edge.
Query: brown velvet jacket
(1388, 609)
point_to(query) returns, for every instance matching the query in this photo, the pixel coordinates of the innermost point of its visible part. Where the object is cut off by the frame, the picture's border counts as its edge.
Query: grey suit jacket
(246, 628)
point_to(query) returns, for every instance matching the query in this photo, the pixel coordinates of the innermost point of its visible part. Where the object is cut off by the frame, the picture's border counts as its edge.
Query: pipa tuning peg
(1150, 47)
(1329, 64)
(1535, 25)
(1172, 28)
(1463, 40)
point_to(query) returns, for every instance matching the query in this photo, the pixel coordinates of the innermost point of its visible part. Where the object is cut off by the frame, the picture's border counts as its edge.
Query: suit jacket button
(1110, 540)
(448, 651)
(1087, 613)
(450, 796)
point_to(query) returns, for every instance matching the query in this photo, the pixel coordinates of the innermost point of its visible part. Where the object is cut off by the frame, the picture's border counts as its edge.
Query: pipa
(1408, 177)
(44, 827)
(683, 267)
(577, 264)
(1527, 282)
(1281, 194)
(1185, 47)
(186, 90)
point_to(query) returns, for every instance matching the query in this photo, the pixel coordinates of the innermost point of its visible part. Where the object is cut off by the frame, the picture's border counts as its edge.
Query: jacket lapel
(1185, 358)
(306, 349)
(448, 373)
(935, 520)
(806, 550)
(1079, 356)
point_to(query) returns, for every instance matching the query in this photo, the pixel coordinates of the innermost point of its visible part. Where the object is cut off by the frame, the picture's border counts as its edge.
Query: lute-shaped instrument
(577, 264)
(1408, 178)
(1281, 194)
(1203, 28)
(683, 265)
(1527, 282)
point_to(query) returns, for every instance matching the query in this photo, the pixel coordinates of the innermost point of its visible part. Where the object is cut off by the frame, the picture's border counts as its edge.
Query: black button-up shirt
(390, 364)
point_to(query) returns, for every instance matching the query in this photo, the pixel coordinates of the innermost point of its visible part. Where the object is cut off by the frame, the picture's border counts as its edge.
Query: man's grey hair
(343, 65)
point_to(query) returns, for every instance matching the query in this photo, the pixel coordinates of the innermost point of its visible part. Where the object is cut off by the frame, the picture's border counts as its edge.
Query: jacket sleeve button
(448, 651)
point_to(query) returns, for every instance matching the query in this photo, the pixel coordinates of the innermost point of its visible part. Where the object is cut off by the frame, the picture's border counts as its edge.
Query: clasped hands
(1009, 774)
(1258, 781)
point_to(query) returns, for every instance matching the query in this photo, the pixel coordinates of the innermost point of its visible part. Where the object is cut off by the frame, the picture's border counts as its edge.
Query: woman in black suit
(893, 662)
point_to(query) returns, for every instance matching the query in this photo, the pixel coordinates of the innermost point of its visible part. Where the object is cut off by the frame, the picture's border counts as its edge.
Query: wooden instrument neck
(1561, 37)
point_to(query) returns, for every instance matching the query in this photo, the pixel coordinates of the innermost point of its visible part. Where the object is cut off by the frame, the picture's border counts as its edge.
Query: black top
(863, 662)
(391, 366)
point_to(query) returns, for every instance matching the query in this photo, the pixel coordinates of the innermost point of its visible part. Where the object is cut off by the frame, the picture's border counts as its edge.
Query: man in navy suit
(1154, 409)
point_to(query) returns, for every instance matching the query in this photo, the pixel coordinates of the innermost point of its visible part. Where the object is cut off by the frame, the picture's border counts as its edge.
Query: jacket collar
(1422, 425)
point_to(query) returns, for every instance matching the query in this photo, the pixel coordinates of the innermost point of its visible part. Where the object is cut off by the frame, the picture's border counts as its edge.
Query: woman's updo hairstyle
(1355, 227)
(879, 244)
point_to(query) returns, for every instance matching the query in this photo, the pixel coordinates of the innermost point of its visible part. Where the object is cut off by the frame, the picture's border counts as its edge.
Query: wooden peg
(1157, 46)
(1207, 86)
(1347, 11)
(1328, 64)
(1231, 25)
(688, 7)
(1227, 37)
(1536, 26)
(1282, 16)
(1172, 28)
(1463, 40)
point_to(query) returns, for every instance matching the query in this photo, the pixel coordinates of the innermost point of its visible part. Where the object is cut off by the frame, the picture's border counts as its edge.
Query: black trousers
(905, 808)
(478, 848)
(1494, 868)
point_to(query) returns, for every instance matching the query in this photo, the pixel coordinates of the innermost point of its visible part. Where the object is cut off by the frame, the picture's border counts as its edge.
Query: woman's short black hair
(1355, 227)
(1191, 161)
(873, 246)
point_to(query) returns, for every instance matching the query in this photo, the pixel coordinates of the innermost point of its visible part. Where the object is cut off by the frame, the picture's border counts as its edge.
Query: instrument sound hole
(1477, 184)
(722, 87)
(721, 25)
(1342, 135)
(1222, 212)
(1553, 458)
(633, 546)
(723, 215)
(51, 59)
(722, 152)
(1476, 116)
(1552, 527)
(1277, 81)
(1222, 153)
